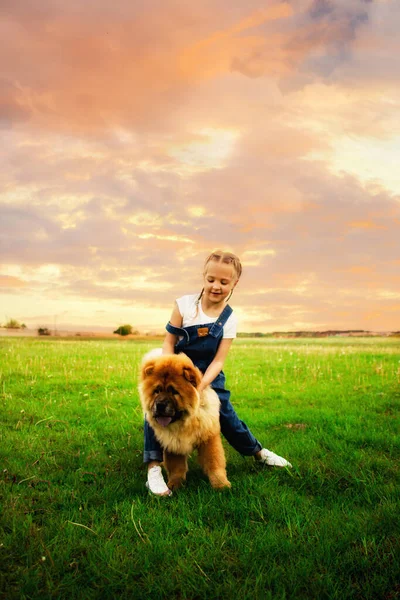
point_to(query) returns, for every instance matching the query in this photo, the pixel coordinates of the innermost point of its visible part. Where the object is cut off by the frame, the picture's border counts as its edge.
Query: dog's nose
(161, 407)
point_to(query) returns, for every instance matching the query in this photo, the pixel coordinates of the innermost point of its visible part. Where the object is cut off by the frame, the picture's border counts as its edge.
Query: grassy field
(77, 522)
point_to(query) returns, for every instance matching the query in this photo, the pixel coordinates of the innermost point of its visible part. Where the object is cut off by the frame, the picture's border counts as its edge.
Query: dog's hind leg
(176, 465)
(212, 461)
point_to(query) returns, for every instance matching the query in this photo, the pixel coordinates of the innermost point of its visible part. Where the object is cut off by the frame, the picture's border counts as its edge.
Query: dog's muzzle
(164, 412)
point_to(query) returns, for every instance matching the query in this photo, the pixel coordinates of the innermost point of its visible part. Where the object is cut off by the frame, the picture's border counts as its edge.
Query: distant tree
(124, 330)
(44, 331)
(23, 326)
(12, 324)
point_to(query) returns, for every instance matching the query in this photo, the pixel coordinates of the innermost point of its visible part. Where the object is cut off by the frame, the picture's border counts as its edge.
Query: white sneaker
(272, 459)
(155, 482)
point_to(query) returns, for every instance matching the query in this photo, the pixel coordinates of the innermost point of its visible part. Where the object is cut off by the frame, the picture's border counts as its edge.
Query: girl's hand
(216, 366)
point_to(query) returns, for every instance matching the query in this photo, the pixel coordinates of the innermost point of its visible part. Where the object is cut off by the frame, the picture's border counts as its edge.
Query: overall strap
(220, 322)
(214, 331)
(177, 331)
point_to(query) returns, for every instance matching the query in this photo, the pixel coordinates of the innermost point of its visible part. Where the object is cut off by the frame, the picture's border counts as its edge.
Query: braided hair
(228, 258)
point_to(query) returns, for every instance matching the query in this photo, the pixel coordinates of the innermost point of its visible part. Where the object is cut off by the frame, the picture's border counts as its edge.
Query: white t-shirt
(193, 314)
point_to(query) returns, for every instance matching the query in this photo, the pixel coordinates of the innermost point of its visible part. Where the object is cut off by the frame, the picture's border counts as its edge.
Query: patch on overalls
(202, 331)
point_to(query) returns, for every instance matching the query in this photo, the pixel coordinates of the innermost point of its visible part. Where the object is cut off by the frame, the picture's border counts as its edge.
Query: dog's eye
(171, 390)
(157, 390)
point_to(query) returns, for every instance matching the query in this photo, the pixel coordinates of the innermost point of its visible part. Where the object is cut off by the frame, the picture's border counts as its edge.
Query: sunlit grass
(76, 521)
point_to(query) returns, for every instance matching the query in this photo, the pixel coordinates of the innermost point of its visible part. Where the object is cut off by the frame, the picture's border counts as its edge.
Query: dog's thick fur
(182, 418)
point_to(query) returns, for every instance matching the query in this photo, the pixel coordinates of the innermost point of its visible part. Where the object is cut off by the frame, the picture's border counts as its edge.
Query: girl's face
(219, 280)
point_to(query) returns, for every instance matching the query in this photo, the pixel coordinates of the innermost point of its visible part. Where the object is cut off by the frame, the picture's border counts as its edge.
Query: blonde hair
(225, 257)
(222, 256)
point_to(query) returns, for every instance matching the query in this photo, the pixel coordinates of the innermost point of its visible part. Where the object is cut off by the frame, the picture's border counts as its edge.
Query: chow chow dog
(182, 418)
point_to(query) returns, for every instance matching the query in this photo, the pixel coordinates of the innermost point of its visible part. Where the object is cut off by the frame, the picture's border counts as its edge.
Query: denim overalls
(200, 343)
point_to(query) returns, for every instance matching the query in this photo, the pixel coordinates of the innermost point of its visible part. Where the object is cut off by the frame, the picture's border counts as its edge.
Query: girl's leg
(239, 436)
(236, 432)
(152, 449)
(153, 456)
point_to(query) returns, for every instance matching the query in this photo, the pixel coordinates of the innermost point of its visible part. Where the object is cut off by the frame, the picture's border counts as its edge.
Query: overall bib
(200, 343)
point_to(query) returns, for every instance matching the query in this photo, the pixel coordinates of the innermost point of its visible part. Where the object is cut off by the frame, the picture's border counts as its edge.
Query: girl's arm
(171, 339)
(216, 366)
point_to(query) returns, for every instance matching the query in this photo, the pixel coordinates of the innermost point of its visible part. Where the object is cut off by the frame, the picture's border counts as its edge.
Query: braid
(197, 302)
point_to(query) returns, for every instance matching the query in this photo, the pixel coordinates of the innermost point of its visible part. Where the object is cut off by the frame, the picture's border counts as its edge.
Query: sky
(137, 136)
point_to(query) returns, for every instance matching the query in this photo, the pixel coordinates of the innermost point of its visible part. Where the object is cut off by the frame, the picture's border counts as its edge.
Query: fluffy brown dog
(182, 418)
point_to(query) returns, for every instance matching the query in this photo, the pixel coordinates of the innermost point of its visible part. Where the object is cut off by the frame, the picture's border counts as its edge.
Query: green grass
(76, 521)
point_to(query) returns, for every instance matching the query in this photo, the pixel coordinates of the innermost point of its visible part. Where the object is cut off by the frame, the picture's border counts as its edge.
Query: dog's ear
(192, 374)
(148, 369)
(148, 361)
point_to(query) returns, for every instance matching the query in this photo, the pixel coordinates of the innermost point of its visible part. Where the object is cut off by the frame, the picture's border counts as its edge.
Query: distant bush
(125, 330)
(13, 324)
(44, 331)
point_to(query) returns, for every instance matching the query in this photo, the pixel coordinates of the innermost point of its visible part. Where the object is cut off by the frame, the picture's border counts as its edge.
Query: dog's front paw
(175, 482)
(219, 481)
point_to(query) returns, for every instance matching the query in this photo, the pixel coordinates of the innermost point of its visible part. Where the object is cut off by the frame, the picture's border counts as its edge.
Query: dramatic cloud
(137, 139)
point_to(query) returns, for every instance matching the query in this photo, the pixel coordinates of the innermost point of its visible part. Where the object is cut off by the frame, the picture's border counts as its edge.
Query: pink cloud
(10, 282)
(137, 140)
(87, 68)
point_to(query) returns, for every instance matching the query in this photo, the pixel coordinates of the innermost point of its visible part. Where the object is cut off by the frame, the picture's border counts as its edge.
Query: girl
(203, 327)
